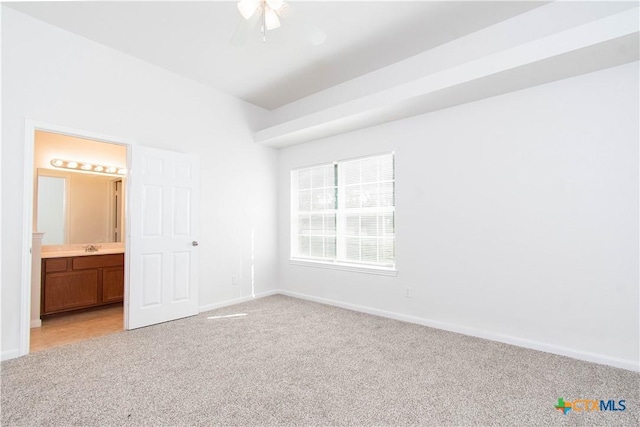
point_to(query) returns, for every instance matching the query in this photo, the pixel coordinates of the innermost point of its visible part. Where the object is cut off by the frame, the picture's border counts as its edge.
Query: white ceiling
(193, 38)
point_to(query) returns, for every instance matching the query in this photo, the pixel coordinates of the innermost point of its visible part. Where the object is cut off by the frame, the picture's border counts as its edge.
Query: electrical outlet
(234, 279)
(407, 292)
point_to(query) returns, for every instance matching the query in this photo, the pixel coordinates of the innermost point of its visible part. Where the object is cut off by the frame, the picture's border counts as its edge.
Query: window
(343, 212)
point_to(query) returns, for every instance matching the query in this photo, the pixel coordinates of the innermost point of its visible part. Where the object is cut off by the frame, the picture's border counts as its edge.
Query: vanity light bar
(88, 167)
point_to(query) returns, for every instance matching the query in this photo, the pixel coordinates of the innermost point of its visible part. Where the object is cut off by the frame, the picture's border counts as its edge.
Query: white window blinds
(344, 212)
(313, 208)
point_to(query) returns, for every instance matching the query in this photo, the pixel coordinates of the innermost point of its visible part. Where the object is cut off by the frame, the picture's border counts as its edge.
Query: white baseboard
(233, 301)
(36, 323)
(10, 354)
(507, 339)
(630, 365)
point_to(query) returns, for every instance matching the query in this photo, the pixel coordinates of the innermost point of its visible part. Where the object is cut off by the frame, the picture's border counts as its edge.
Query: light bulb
(271, 19)
(72, 165)
(110, 169)
(275, 4)
(86, 167)
(247, 8)
(57, 162)
(98, 169)
(122, 171)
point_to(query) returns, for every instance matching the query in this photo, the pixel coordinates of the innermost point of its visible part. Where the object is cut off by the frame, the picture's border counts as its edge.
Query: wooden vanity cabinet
(74, 283)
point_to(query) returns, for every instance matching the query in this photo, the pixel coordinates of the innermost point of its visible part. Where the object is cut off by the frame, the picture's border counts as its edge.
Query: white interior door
(163, 230)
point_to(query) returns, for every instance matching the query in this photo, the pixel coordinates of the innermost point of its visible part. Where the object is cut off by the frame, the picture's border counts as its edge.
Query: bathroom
(77, 287)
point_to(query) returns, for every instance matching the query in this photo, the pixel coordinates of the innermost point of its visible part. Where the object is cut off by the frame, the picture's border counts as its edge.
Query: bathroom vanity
(73, 281)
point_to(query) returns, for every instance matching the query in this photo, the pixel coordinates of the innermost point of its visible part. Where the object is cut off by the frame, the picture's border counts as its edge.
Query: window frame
(338, 263)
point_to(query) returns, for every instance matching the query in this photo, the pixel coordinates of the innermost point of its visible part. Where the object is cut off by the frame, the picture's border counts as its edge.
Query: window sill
(382, 271)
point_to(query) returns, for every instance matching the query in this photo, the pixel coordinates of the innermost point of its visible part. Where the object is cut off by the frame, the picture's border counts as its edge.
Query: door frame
(30, 127)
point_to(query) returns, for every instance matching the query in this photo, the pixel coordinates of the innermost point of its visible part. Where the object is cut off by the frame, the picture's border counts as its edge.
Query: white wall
(516, 216)
(52, 76)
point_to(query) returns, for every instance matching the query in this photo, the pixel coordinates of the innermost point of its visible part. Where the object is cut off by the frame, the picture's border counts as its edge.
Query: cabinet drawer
(97, 261)
(55, 264)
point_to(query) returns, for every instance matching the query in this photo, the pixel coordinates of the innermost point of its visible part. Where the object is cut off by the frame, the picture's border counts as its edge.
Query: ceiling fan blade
(244, 30)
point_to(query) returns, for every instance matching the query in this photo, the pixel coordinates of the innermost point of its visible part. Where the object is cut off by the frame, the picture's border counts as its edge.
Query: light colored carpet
(294, 362)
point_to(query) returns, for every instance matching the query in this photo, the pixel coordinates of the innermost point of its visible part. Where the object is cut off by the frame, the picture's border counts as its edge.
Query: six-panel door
(163, 275)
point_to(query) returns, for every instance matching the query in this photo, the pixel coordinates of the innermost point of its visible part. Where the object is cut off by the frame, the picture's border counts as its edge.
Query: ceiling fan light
(247, 8)
(275, 4)
(271, 19)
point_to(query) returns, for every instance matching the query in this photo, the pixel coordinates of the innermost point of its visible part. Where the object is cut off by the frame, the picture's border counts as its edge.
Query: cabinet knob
(194, 243)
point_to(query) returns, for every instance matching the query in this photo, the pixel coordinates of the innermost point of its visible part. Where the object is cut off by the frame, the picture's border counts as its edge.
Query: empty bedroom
(321, 213)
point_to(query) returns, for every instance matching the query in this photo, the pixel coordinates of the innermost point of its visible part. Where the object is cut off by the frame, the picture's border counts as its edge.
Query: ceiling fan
(266, 14)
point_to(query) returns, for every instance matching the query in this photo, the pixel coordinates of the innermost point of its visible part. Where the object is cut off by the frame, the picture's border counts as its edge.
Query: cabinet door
(70, 289)
(112, 284)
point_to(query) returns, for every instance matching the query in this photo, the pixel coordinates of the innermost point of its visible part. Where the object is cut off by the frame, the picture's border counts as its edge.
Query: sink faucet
(91, 248)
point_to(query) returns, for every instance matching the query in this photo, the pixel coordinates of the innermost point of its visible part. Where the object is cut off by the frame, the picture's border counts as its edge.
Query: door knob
(194, 243)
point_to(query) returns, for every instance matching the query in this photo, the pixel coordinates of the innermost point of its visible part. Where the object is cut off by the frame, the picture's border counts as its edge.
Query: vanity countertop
(62, 251)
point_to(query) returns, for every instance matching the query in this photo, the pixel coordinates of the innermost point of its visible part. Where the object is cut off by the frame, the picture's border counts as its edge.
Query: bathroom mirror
(51, 216)
(76, 208)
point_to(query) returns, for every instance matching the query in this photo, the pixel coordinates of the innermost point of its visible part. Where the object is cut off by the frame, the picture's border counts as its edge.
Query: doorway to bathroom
(78, 248)
(159, 223)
